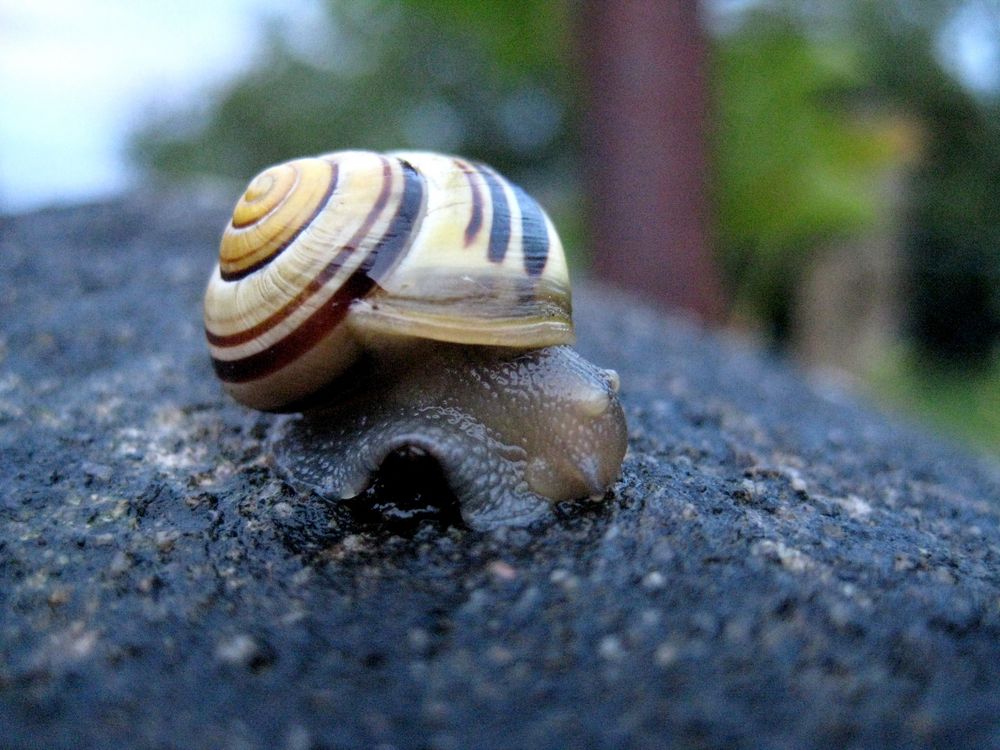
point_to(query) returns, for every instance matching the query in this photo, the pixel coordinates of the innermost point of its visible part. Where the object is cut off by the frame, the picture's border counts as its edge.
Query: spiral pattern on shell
(324, 255)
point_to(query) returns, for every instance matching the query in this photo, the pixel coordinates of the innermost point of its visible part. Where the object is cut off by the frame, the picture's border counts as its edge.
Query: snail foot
(406, 466)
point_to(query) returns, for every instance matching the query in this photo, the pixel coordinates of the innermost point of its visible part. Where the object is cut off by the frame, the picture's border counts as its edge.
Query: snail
(412, 301)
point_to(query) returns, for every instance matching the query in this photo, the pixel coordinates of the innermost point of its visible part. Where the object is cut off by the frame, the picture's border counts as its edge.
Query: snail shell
(412, 300)
(324, 254)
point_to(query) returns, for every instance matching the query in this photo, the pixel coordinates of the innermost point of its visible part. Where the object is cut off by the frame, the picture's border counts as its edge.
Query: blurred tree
(782, 188)
(491, 81)
(795, 165)
(953, 245)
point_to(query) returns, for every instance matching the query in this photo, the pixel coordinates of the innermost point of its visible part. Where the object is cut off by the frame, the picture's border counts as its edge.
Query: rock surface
(780, 566)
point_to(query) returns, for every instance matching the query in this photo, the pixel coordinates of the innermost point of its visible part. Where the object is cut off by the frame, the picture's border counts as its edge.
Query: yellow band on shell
(270, 213)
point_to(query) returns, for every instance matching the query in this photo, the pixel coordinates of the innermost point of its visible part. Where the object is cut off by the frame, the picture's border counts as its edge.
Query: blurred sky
(75, 75)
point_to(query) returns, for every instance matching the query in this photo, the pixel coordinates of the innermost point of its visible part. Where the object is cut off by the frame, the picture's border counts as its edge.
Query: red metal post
(645, 128)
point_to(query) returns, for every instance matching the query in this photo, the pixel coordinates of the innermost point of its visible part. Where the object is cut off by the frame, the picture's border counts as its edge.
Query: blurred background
(823, 176)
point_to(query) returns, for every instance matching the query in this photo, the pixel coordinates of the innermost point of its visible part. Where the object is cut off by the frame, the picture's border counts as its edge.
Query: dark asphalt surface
(780, 566)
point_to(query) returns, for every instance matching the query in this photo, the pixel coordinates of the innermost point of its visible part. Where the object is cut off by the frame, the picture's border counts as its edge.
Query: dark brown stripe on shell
(305, 336)
(319, 281)
(534, 233)
(476, 216)
(243, 273)
(500, 226)
(400, 232)
(361, 281)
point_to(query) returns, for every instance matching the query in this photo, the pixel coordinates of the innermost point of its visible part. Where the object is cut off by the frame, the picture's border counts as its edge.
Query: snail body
(412, 300)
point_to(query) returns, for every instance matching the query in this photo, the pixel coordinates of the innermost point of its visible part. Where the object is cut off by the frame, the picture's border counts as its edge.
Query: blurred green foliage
(490, 81)
(795, 166)
(886, 53)
(953, 222)
(429, 74)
